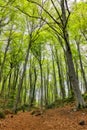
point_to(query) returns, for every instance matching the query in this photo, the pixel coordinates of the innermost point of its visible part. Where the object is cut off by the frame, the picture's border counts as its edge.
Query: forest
(43, 56)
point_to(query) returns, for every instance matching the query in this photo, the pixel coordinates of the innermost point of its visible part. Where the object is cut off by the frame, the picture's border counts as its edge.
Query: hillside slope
(53, 119)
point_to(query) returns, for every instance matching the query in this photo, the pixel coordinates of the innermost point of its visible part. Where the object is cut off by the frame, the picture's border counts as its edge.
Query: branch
(67, 7)
(57, 11)
(67, 20)
(68, 13)
(44, 11)
(41, 18)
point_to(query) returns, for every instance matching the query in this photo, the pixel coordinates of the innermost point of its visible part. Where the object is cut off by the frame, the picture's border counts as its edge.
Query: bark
(54, 76)
(31, 83)
(33, 79)
(41, 75)
(47, 86)
(3, 86)
(14, 83)
(34, 86)
(45, 89)
(16, 72)
(76, 68)
(25, 90)
(9, 82)
(60, 75)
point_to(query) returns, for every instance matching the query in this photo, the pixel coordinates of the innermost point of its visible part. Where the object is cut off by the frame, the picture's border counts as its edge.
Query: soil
(64, 118)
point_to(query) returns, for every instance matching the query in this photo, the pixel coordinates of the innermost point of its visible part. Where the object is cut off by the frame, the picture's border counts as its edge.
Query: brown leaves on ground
(54, 119)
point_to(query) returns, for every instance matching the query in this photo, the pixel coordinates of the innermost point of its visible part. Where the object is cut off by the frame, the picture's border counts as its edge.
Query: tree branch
(34, 2)
(41, 18)
(57, 11)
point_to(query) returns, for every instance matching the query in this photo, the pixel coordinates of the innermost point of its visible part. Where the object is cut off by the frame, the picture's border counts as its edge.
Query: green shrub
(85, 96)
(69, 100)
(2, 115)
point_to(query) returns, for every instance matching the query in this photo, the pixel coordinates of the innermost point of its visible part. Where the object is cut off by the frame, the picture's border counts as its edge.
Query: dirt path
(55, 119)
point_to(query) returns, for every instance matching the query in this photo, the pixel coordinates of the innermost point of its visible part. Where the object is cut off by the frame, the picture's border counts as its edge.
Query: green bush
(69, 100)
(2, 115)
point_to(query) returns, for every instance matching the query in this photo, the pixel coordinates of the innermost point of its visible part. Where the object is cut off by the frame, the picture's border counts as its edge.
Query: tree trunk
(25, 91)
(47, 87)
(41, 74)
(34, 86)
(60, 75)
(54, 76)
(9, 82)
(72, 74)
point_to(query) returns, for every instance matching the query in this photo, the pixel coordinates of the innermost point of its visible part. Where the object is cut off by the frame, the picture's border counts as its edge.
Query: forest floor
(63, 118)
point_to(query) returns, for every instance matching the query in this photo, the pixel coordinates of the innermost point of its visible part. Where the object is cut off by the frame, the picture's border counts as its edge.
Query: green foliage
(78, 19)
(2, 115)
(85, 96)
(55, 104)
(69, 100)
(60, 102)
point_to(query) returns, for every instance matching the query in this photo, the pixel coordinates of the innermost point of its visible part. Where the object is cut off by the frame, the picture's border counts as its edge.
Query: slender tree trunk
(14, 83)
(31, 83)
(41, 75)
(9, 82)
(47, 87)
(60, 75)
(33, 79)
(25, 91)
(54, 76)
(3, 86)
(16, 72)
(76, 68)
(34, 86)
